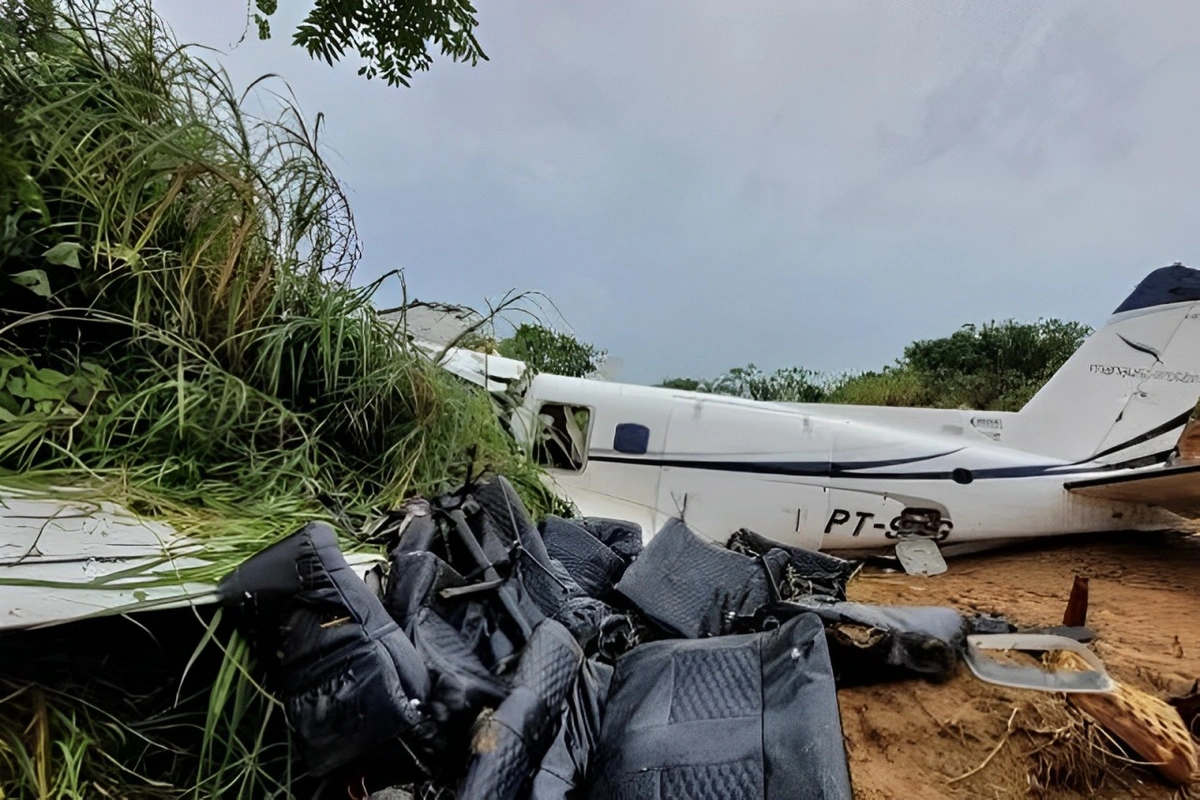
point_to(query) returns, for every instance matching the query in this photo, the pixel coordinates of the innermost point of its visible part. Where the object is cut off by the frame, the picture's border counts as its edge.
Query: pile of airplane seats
(495, 658)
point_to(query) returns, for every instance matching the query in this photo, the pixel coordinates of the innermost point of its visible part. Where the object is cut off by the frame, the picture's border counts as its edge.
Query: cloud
(818, 184)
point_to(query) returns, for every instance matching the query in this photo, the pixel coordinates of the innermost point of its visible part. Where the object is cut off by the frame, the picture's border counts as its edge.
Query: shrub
(995, 366)
(889, 387)
(546, 350)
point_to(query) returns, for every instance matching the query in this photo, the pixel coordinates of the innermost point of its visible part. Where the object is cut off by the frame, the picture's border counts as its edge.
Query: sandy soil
(912, 739)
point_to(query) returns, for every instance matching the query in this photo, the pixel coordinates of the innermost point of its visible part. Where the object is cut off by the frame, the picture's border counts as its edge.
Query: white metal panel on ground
(62, 561)
(65, 560)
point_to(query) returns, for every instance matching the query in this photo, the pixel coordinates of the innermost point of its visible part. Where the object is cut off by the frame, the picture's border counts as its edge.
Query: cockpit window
(564, 436)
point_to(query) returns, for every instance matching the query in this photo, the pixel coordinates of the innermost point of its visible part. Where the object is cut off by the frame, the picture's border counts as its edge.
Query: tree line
(996, 366)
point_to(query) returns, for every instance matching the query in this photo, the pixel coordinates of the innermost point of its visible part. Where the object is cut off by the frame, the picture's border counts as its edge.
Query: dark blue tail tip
(1163, 286)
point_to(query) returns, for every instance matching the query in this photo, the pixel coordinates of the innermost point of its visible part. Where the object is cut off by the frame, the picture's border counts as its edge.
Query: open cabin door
(599, 446)
(735, 466)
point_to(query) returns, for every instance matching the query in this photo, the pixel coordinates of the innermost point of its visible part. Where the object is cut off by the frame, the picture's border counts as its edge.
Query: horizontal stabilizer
(1176, 489)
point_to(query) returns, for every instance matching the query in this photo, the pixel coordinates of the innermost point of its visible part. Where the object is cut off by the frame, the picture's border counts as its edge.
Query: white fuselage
(823, 476)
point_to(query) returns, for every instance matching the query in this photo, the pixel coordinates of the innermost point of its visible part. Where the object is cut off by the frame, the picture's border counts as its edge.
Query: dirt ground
(913, 739)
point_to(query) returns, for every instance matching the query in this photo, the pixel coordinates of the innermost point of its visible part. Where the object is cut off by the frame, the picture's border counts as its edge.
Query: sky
(700, 185)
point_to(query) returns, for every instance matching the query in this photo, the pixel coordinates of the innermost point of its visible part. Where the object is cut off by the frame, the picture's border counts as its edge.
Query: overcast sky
(699, 185)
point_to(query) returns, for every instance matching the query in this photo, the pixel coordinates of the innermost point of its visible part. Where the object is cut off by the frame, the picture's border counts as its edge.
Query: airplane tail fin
(1126, 394)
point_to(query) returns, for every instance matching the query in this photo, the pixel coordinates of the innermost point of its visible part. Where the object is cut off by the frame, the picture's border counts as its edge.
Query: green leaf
(125, 253)
(30, 388)
(10, 227)
(64, 253)
(34, 280)
(21, 435)
(30, 196)
(50, 377)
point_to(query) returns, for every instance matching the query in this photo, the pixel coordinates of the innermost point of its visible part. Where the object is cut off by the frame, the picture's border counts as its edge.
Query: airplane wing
(63, 560)
(497, 374)
(1176, 489)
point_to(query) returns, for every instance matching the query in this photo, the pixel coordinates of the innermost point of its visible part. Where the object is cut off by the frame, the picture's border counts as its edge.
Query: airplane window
(563, 444)
(631, 438)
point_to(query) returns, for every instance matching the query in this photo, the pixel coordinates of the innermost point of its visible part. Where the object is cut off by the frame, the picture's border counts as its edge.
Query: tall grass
(110, 709)
(200, 324)
(179, 332)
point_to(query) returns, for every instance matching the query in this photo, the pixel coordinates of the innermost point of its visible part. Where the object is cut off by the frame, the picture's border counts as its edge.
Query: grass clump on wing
(179, 334)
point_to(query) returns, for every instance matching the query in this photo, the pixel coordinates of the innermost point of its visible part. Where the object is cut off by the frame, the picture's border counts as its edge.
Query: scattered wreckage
(686, 636)
(491, 657)
(496, 658)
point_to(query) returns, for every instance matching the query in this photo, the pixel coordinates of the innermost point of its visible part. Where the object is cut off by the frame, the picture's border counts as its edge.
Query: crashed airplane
(1097, 449)
(683, 637)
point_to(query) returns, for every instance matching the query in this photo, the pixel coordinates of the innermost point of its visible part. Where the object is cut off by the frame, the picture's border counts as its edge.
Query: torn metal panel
(495, 373)
(1021, 676)
(920, 556)
(66, 560)
(437, 323)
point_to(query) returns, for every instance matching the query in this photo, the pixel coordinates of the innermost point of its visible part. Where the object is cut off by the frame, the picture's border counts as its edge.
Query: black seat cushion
(749, 716)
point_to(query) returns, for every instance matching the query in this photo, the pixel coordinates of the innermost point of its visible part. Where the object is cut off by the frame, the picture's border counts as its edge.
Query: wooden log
(1151, 727)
